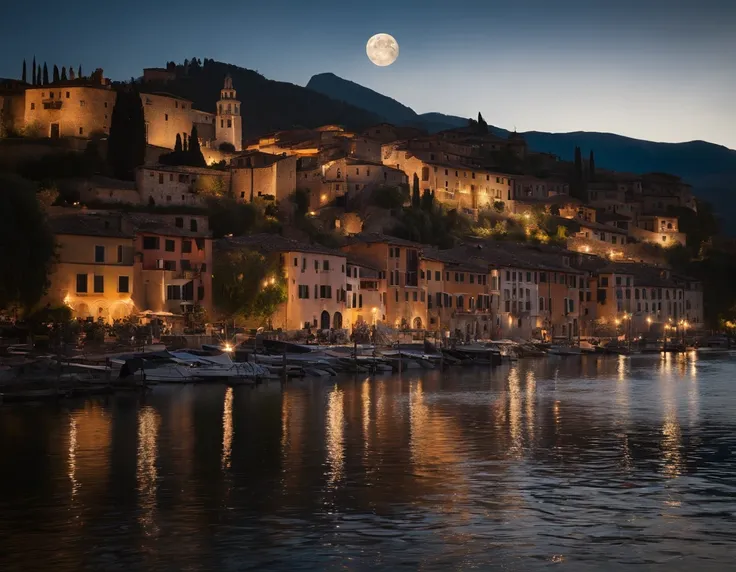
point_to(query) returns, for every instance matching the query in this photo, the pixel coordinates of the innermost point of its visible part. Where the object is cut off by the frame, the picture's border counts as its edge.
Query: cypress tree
(185, 146)
(426, 201)
(63, 73)
(415, 198)
(35, 81)
(591, 165)
(579, 191)
(55, 77)
(482, 125)
(79, 71)
(177, 146)
(45, 74)
(23, 75)
(195, 153)
(126, 147)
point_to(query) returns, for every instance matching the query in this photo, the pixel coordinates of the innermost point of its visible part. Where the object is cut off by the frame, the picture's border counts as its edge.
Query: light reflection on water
(596, 463)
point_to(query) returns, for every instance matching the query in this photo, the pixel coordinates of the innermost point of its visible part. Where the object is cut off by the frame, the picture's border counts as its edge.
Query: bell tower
(229, 124)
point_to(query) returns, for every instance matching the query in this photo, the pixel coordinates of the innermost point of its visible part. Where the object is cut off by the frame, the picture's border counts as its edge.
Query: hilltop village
(589, 259)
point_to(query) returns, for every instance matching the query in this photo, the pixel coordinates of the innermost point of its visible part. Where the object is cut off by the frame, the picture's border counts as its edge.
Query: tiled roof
(375, 238)
(89, 224)
(275, 243)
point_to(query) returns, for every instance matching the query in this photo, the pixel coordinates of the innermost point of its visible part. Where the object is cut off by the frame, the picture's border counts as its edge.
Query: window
(604, 282)
(120, 254)
(186, 264)
(303, 292)
(229, 123)
(437, 275)
(316, 265)
(81, 283)
(472, 278)
(325, 265)
(360, 301)
(193, 225)
(99, 284)
(123, 284)
(186, 247)
(325, 292)
(170, 245)
(541, 304)
(33, 106)
(414, 296)
(160, 178)
(396, 292)
(179, 222)
(151, 243)
(81, 130)
(166, 118)
(100, 254)
(173, 292)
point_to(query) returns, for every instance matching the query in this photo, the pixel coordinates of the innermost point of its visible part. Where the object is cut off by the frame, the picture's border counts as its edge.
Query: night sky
(663, 70)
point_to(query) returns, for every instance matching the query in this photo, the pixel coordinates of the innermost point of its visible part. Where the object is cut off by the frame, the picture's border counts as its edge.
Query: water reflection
(147, 473)
(335, 425)
(227, 428)
(596, 462)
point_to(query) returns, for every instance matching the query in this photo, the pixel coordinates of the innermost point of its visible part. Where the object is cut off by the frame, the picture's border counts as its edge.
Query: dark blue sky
(655, 69)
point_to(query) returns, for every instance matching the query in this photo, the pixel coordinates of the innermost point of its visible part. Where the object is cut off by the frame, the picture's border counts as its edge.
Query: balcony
(52, 103)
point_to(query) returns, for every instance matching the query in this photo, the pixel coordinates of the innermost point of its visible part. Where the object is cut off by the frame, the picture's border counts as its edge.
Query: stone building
(180, 185)
(258, 174)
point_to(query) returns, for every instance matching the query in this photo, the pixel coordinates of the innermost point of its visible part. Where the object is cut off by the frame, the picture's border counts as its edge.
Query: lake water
(572, 464)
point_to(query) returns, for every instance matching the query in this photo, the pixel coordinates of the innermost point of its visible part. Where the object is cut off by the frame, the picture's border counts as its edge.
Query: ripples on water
(604, 463)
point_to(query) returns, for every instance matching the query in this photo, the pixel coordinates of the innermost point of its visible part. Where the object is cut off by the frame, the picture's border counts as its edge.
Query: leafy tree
(390, 197)
(177, 146)
(126, 147)
(415, 198)
(56, 74)
(63, 74)
(247, 284)
(23, 75)
(26, 242)
(227, 147)
(228, 216)
(499, 206)
(45, 74)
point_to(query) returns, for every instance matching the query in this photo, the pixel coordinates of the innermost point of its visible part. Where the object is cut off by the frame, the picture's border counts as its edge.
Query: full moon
(382, 49)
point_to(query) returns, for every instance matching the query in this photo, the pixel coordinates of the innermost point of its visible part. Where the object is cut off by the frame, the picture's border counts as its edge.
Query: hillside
(710, 168)
(267, 105)
(386, 107)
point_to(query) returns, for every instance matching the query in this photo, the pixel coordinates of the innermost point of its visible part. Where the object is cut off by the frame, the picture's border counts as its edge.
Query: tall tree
(55, 77)
(27, 245)
(591, 166)
(415, 197)
(177, 146)
(577, 185)
(79, 72)
(197, 158)
(45, 74)
(185, 144)
(126, 147)
(23, 75)
(71, 72)
(34, 71)
(63, 73)
(427, 201)
(482, 125)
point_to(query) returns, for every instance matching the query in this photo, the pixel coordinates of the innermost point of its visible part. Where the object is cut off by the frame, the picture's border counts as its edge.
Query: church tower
(228, 124)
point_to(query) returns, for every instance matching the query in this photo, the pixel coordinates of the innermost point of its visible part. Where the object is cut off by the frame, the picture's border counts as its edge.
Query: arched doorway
(417, 323)
(337, 321)
(325, 320)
